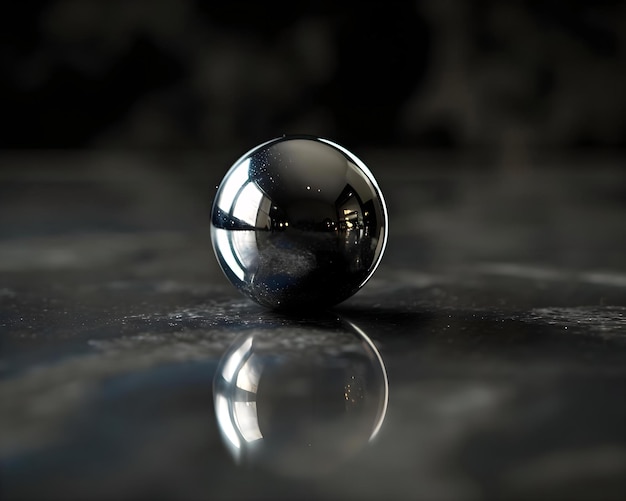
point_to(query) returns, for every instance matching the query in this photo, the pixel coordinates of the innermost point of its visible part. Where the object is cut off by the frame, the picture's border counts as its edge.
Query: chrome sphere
(299, 222)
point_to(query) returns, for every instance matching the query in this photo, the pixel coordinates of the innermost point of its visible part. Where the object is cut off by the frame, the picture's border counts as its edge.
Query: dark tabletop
(489, 347)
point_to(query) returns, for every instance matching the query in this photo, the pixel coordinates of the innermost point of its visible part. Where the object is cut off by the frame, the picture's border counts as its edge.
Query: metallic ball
(299, 223)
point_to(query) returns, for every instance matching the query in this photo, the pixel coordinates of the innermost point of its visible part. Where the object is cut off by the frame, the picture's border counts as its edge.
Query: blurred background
(497, 131)
(434, 74)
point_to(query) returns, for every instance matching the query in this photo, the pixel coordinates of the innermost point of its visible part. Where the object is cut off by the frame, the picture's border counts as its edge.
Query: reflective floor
(485, 359)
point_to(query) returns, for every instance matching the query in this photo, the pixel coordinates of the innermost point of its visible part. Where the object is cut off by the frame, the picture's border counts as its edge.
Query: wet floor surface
(486, 358)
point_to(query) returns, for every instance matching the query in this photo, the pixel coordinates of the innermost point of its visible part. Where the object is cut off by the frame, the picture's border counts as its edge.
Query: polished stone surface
(299, 222)
(498, 314)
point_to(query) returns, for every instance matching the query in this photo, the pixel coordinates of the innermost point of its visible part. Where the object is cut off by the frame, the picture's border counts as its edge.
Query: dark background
(184, 74)
(499, 308)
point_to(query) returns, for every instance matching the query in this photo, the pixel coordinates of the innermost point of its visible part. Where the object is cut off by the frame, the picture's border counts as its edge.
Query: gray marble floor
(486, 358)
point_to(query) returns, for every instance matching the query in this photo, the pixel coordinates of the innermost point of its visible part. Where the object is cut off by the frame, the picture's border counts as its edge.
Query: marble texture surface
(499, 311)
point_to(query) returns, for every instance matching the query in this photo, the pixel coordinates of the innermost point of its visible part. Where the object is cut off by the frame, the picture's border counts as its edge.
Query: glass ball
(299, 222)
